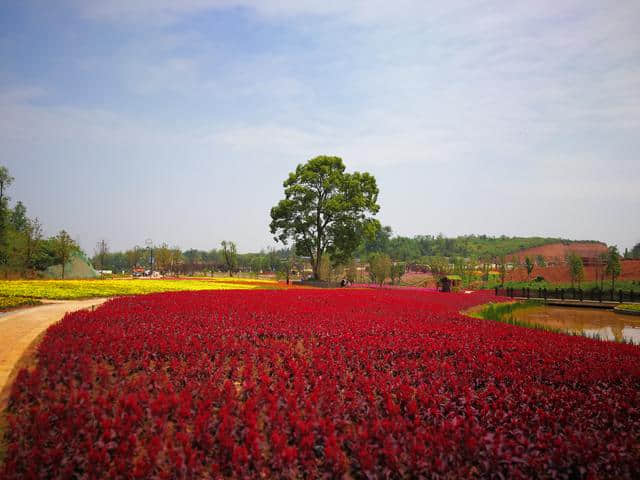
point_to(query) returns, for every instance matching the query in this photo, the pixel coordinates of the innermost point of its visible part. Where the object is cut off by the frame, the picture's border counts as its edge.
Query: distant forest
(408, 249)
(26, 252)
(418, 249)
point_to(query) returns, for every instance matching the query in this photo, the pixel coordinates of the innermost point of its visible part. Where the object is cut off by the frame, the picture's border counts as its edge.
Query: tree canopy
(576, 268)
(326, 210)
(613, 267)
(230, 253)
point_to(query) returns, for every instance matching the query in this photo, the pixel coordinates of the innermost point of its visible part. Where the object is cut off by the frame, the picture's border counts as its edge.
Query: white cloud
(532, 96)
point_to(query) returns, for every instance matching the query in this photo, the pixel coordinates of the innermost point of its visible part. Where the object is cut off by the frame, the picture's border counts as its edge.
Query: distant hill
(511, 245)
(588, 251)
(479, 246)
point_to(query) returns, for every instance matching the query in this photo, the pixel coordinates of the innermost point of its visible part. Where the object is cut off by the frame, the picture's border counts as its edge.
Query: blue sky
(178, 121)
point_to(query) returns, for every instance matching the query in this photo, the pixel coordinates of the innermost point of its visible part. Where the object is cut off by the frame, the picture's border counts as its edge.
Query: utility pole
(149, 243)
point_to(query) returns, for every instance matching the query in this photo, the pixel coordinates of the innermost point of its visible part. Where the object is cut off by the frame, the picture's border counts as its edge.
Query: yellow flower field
(7, 303)
(72, 289)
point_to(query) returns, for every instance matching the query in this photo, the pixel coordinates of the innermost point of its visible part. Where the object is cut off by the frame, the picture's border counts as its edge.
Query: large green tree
(326, 210)
(64, 247)
(230, 254)
(5, 181)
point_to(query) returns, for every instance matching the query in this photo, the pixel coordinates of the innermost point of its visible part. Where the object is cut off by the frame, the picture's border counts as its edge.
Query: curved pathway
(20, 328)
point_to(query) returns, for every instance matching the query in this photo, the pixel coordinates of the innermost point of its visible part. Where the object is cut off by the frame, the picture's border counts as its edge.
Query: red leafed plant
(319, 383)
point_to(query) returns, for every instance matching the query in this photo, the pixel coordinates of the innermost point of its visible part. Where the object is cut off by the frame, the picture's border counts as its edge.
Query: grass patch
(503, 312)
(633, 308)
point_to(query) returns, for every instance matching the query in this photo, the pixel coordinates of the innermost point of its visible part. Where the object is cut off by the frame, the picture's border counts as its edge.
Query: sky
(178, 121)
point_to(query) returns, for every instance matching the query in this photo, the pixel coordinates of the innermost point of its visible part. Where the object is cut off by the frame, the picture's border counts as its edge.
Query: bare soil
(560, 273)
(560, 250)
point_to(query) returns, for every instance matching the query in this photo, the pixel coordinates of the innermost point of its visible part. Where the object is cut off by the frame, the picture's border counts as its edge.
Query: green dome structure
(77, 267)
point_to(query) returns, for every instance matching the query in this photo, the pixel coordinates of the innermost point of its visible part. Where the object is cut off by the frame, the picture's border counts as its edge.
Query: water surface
(593, 322)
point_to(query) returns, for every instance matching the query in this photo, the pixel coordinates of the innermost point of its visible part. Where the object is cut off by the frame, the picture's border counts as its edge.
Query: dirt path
(20, 328)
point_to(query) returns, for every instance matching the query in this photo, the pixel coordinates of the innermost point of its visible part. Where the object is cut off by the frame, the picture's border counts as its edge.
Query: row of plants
(351, 383)
(73, 289)
(625, 285)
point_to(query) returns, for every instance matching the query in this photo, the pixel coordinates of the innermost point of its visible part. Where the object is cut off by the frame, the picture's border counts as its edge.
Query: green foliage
(502, 267)
(132, 259)
(101, 251)
(379, 267)
(438, 266)
(19, 218)
(613, 268)
(379, 243)
(5, 181)
(528, 265)
(576, 268)
(503, 312)
(326, 210)
(230, 255)
(286, 265)
(352, 271)
(22, 247)
(626, 285)
(468, 246)
(64, 246)
(632, 307)
(397, 270)
(635, 251)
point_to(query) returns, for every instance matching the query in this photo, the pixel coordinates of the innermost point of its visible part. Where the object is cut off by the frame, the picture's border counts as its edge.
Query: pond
(593, 322)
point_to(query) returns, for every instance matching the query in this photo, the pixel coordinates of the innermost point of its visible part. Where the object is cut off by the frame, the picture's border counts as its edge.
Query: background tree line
(192, 261)
(414, 249)
(24, 251)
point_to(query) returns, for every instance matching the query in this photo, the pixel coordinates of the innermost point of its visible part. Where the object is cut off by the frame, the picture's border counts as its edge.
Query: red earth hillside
(560, 273)
(557, 252)
(557, 271)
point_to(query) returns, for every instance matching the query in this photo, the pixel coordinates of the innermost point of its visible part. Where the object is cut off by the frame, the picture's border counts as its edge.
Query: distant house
(138, 272)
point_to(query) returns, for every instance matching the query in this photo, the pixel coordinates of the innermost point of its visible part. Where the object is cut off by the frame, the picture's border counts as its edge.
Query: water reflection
(600, 323)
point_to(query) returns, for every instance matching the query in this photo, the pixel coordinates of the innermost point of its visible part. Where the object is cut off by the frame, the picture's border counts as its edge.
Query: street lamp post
(149, 243)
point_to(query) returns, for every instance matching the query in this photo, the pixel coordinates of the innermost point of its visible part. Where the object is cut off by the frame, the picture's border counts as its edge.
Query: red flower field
(320, 383)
